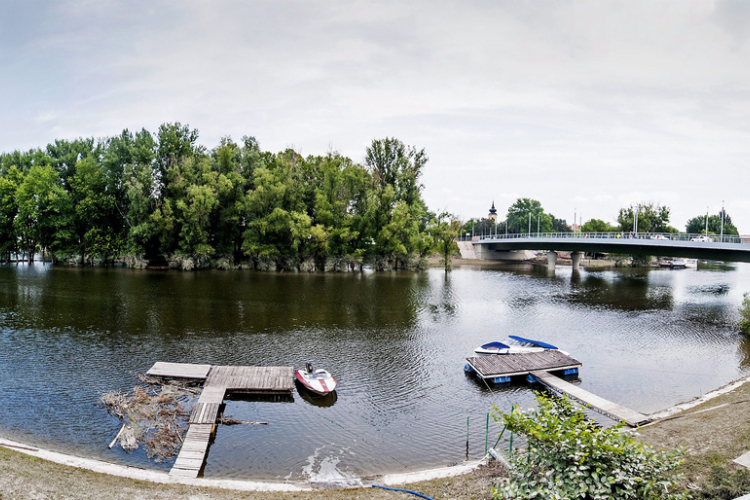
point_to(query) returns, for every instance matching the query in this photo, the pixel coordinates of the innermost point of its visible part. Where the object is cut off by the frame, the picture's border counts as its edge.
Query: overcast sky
(584, 106)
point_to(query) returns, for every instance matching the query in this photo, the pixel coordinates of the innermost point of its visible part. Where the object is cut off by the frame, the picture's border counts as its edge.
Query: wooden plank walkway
(218, 381)
(509, 365)
(193, 451)
(255, 379)
(179, 370)
(630, 417)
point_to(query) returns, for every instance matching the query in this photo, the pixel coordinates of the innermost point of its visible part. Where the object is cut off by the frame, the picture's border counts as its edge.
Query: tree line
(527, 215)
(162, 199)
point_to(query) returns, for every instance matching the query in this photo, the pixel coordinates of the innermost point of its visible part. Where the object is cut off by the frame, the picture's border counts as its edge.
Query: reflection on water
(395, 342)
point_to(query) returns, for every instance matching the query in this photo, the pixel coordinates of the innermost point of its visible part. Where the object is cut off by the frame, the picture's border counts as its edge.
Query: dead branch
(234, 421)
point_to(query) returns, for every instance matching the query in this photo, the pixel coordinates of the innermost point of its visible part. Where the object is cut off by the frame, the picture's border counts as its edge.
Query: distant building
(493, 213)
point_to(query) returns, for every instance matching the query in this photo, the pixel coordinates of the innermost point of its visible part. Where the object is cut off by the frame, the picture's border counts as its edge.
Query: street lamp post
(706, 222)
(722, 222)
(529, 224)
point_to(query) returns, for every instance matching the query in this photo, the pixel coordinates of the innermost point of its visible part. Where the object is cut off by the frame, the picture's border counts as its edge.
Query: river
(648, 339)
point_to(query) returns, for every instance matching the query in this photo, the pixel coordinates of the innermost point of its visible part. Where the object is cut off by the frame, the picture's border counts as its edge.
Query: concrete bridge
(681, 245)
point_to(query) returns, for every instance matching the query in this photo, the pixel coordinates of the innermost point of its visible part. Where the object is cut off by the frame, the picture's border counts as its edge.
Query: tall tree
(598, 226)
(44, 210)
(445, 231)
(9, 183)
(698, 224)
(526, 213)
(652, 218)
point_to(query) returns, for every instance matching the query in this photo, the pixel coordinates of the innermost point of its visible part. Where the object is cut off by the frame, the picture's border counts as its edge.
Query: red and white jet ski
(318, 381)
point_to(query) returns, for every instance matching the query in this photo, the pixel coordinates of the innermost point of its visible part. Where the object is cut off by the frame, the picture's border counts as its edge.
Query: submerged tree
(163, 198)
(445, 231)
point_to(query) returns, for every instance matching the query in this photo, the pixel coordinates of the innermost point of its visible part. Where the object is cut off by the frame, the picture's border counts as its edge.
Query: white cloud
(586, 104)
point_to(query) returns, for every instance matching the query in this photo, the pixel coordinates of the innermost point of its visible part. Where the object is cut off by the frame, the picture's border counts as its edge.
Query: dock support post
(551, 260)
(575, 258)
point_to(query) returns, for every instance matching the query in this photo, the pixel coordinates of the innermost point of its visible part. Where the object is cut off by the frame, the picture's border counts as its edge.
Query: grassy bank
(712, 435)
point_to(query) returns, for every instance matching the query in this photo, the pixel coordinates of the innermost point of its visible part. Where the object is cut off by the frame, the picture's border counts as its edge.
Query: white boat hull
(319, 381)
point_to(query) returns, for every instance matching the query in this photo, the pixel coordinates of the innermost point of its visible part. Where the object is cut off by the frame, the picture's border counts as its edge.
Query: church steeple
(493, 212)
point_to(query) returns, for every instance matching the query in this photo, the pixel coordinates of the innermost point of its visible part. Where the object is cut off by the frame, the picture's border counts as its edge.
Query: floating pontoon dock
(499, 368)
(504, 366)
(218, 381)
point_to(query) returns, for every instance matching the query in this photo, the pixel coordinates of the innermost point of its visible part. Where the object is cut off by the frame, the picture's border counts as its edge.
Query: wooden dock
(539, 365)
(219, 380)
(492, 367)
(630, 417)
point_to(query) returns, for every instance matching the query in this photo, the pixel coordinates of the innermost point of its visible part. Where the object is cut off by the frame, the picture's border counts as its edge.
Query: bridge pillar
(575, 258)
(551, 260)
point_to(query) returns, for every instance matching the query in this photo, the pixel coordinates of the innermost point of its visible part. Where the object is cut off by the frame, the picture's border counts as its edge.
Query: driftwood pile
(153, 417)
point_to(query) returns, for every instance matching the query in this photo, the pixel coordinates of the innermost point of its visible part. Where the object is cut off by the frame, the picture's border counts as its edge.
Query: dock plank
(630, 417)
(508, 365)
(179, 370)
(218, 381)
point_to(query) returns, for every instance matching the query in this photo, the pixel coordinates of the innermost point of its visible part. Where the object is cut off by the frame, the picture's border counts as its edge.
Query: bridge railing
(727, 238)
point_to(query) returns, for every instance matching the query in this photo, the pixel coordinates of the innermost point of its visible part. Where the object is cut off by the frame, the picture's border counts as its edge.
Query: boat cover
(533, 342)
(497, 345)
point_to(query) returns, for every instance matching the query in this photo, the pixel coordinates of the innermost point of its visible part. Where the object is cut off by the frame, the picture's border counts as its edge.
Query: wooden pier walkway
(630, 417)
(500, 368)
(219, 380)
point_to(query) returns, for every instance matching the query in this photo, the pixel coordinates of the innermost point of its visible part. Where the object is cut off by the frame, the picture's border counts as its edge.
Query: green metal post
(467, 438)
(510, 448)
(486, 433)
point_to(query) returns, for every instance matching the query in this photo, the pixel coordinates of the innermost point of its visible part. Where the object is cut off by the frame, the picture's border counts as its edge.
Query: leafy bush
(745, 314)
(571, 457)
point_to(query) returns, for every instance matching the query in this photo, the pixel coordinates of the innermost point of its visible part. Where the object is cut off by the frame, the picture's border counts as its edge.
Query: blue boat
(515, 345)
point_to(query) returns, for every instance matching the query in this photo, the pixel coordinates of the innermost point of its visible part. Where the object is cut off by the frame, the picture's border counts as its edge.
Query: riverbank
(28, 476)
(712, 433)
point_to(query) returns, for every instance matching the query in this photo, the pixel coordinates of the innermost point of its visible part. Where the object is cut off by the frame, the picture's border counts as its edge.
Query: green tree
(395, 213)
(568, 456)
(44, 211)
(697, 224)
(559, 225)
(652, 218)
(95, 216)
(598, 226)
(445, 231)
(9, 183)
(525, 210)
(745, 314)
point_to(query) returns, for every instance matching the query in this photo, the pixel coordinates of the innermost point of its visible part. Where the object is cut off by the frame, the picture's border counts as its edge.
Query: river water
(396, 342)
